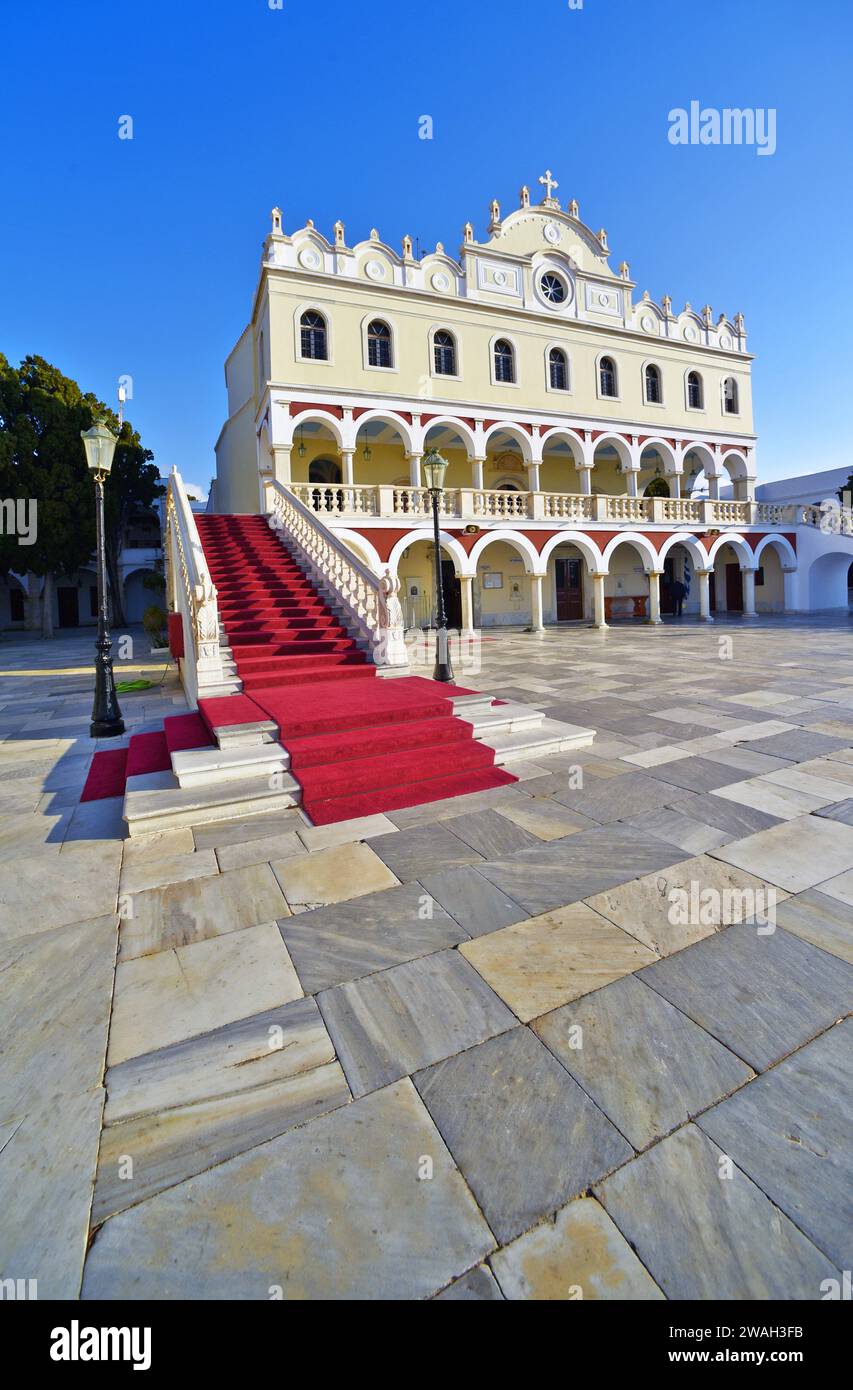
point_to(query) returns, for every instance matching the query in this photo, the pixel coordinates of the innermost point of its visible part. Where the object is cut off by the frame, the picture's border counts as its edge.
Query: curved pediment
(532, 231)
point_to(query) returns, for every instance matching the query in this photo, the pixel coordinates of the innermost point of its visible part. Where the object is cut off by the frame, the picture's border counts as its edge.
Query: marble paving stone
(423, 850)
(95, 822)
(762, 996)
(238, 831)
(305, 1213)
(490, 834)
(703, 1237)
(331, 876)
(403, 1019)
(694, 774)
(506, 1098)
(142, 849)
(163, 998)
(654, 757)
(159, 919)
(839, 887)
(175, 1144)
(255, 1051)
(47, 1169)
(581, 1254)
(674, 907)
(410, 817)
(55, 994)
(346, 941)
(824, 921)
(790, 1132)
(735, 756)
(678, 829)
(841, 811)
(564, 871)
(263, 851)
(51, 891)
(539, 964)
(618, 798)
(345, 832)
(797, 744)
(643, 1062)
(477, 1286)
(25, 834)
(817, 784)
(834, 767)
(785, 803)
(171, 868)
(733, 820)
(471, 900)
(545, 819)
(795, 855)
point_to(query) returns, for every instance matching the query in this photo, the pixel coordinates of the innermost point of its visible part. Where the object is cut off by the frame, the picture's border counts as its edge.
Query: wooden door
(569, 577)
(734, 589)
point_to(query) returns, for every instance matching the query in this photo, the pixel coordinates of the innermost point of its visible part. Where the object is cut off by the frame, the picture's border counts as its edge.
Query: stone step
(163, 807)
(501, 719)
(197, 767)
(551, 736)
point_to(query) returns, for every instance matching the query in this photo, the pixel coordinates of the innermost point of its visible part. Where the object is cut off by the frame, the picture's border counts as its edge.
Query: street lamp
(435, 467)
(99, 443)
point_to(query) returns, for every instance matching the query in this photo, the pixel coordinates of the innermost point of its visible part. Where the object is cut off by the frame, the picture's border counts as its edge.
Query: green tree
(42, 413)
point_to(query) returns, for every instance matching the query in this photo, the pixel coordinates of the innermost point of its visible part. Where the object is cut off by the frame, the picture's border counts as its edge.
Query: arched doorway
(324, 470)
(416, 570)
(658, 487)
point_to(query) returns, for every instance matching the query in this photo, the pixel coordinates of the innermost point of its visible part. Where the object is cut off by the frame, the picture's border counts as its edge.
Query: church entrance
(734, 589)
(569, 588)
(452, 590)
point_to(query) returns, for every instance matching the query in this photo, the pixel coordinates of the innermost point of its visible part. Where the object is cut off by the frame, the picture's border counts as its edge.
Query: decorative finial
(549, 184)
(646, 296)
(667, 304)
(688, 307)
(574, 209)
(374, 235)
(524, 196)
(495, 211)
(468, 234)
(721, 320)
(310, 222)
(407, 248)
(740, 323)
(707, 316)
(439, 248)
(625, 270)
(339, 233)
(602, 239)
(276, 221)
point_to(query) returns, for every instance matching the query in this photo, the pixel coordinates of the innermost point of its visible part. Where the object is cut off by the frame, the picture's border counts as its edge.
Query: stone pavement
(585, 1035)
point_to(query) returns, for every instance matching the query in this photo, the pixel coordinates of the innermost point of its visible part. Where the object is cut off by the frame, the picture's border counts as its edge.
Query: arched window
(379, 344)
(654, 390)
(312, 329)
(607, 376)
(558, 370)
(730, 402)
(695, 396)
(504, 361)
(444, 353)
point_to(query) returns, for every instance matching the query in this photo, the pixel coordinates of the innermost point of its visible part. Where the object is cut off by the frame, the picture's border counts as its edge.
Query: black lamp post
(435, 467)
(99, 443)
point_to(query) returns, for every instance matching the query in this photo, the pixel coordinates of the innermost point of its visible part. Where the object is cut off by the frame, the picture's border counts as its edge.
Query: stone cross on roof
(548, 183)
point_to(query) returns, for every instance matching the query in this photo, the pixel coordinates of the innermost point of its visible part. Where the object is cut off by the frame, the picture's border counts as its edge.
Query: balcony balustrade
(355, 502)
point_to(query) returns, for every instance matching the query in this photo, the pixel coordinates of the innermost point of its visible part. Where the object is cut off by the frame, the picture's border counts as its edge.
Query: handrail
(192, 593)
(372, 603)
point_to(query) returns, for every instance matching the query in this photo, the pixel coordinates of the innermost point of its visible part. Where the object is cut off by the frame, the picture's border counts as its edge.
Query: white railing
(336, 498)
(567, 506)
(371, 604)
(192, 593)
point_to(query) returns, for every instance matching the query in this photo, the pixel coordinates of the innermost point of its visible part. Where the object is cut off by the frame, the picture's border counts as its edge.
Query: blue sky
(140, 256)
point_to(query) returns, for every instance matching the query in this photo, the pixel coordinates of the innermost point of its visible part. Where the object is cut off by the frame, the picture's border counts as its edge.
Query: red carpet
(358, 744)
(107, 775)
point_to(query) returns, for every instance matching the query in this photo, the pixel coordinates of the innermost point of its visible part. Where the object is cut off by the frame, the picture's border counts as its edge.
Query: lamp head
(100, 444)
(434, 468)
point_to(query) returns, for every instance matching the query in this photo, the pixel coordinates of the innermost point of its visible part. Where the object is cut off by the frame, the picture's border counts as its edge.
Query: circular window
(553, 288)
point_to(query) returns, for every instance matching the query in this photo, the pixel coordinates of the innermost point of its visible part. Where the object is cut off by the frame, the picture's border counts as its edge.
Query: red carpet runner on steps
(358, 744)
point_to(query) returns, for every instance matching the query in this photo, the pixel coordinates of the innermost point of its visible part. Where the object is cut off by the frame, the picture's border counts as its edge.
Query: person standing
(679, 593)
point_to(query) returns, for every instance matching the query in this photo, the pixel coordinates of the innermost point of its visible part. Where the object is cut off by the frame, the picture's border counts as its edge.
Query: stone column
(599, 619)
(631, 481)
(704, 577)
(536, 623)
(748, 577)
(347, 456)
(674, 480)
(654, 596)
(714, 489)
(281, 463)
(466, 585)
(533, 477)
(585, 475)
(788, 573)
(415, 479)
(477, 474)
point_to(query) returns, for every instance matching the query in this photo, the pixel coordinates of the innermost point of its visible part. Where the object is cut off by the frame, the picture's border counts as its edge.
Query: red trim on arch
(296, 408)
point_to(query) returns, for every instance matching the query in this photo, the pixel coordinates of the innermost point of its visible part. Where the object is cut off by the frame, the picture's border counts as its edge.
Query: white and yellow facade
(588, 428)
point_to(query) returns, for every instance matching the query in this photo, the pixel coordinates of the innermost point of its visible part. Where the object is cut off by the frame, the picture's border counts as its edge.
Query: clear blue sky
(141, 257)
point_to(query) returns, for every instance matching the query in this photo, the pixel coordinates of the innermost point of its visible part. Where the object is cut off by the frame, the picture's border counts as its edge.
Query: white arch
(521, 437)
(786, 551)
(641, 543)
(322, 417)
(622, 448)
(585, 544)
(709, 460)
(738, 468)
(424, 533)
(519, 542)
(739, 544)
(364, 549)
(466, 434)
(692, 544)
(665, 450)
(388, 418)
(570, 437)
